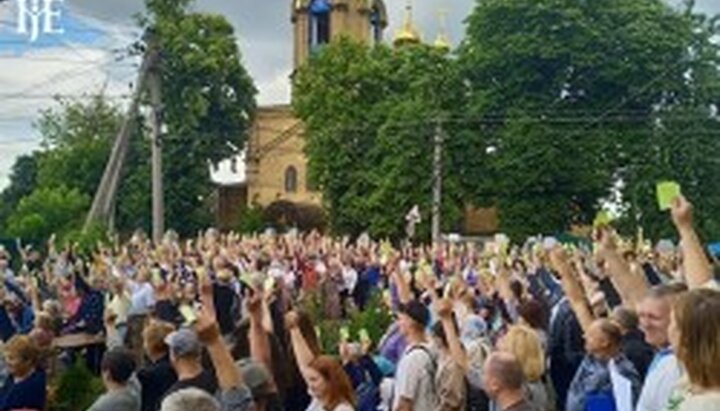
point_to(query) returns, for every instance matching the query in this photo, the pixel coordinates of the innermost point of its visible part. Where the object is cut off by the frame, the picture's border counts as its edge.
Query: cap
(256, 376)
(184, 342)
(417, 311)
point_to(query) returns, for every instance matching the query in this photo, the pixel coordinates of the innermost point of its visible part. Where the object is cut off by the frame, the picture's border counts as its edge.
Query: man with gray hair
(185, 346)
(186, 359)
(504, 383)
(190, 399)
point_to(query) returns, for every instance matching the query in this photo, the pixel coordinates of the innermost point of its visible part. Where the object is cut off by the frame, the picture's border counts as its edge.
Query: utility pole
(437, 183)
(156, 119)
(103, 205)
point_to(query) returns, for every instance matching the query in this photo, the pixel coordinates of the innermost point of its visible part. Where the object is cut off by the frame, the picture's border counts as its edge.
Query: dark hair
(517, 289)
(625, 317)
(534, 314)
(439, 331)
(119, 363)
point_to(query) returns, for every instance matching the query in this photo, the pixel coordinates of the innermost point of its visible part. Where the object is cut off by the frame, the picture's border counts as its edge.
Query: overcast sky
(82, 59)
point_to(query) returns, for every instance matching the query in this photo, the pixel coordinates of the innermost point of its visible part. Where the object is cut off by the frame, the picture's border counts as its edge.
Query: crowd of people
(216, 323)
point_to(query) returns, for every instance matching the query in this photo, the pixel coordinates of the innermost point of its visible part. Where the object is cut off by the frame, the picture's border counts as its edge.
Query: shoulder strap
(433, 364)
(429, 354)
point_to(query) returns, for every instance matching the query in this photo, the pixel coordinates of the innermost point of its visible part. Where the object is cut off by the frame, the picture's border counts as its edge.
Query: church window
(376, 25)
(319, 22)
(291, 180)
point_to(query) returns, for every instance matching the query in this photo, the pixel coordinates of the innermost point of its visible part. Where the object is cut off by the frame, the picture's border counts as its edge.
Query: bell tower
(318, 22)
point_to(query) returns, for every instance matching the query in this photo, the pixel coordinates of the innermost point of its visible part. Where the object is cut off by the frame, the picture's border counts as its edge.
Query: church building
(275, 162)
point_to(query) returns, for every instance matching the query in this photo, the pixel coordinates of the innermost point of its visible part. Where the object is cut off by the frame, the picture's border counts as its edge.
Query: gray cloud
(265, 32)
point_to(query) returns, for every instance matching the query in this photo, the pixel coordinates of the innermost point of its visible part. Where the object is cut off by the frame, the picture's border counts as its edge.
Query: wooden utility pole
(103, 206)
(437, 184)
(156, 118)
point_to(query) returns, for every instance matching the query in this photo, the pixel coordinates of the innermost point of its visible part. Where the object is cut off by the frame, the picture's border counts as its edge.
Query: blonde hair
(697, 314)
(524, 343)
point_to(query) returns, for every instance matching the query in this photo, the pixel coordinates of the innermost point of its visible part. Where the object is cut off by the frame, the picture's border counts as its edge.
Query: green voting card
(364, 335)
(667, 192)
(603, 218)
(247, 279)
(269, 284)
(188, 314)
(344, 334)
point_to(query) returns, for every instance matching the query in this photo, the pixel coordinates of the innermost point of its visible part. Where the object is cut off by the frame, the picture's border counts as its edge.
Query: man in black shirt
(186, 360)
(158, 375)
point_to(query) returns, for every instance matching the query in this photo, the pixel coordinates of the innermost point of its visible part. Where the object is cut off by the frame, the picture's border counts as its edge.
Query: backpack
(432, 370)
(476, 399)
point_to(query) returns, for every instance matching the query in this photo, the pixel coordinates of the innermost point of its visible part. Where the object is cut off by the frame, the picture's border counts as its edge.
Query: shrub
(74, 389)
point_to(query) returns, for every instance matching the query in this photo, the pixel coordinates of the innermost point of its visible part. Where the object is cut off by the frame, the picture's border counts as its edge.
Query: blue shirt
(29, 393)
(592, 385)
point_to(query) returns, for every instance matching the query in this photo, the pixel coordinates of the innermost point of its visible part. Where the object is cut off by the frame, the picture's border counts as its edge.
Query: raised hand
(254, 304)
(682, 213)
(443, 308)
(559, 260)
(206, 318)
(291, 320)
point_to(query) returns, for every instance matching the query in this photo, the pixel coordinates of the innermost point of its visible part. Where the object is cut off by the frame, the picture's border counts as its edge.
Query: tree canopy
(551, 110)
(208, 106)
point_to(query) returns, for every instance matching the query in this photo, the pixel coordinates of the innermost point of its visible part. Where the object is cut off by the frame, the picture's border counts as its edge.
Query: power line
(61, 95)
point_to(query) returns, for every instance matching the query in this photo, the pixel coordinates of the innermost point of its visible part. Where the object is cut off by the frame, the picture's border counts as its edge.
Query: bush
(376, 319)
(251, 221)
(87, 240)
(47, 211)
(75, 389)
(305, 217)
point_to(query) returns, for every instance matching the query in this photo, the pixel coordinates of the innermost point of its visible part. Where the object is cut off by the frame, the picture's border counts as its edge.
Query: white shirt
(350, 277)
(415, 379)
(709, 401)
(142, 298)
(317, 406)
(120, 305)
(662, 378)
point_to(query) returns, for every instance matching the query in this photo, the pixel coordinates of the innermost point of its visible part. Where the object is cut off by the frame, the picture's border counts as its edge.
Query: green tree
(341, 95)
(47, 211)
(77, 136)
(370, 115)
(577, 93)
(22, 182)
(209, 102)
(208, 105)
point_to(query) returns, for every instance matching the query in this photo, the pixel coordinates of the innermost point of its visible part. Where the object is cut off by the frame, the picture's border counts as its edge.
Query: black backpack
(475, 398)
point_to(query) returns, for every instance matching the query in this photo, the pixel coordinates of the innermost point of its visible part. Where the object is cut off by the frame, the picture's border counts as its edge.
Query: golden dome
(443, 40)
(408, 34)
(442, 43)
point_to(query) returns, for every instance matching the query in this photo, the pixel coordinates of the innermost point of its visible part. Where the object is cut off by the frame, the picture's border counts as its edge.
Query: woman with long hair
(524, 344)
(695, 337)
(327, 382)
